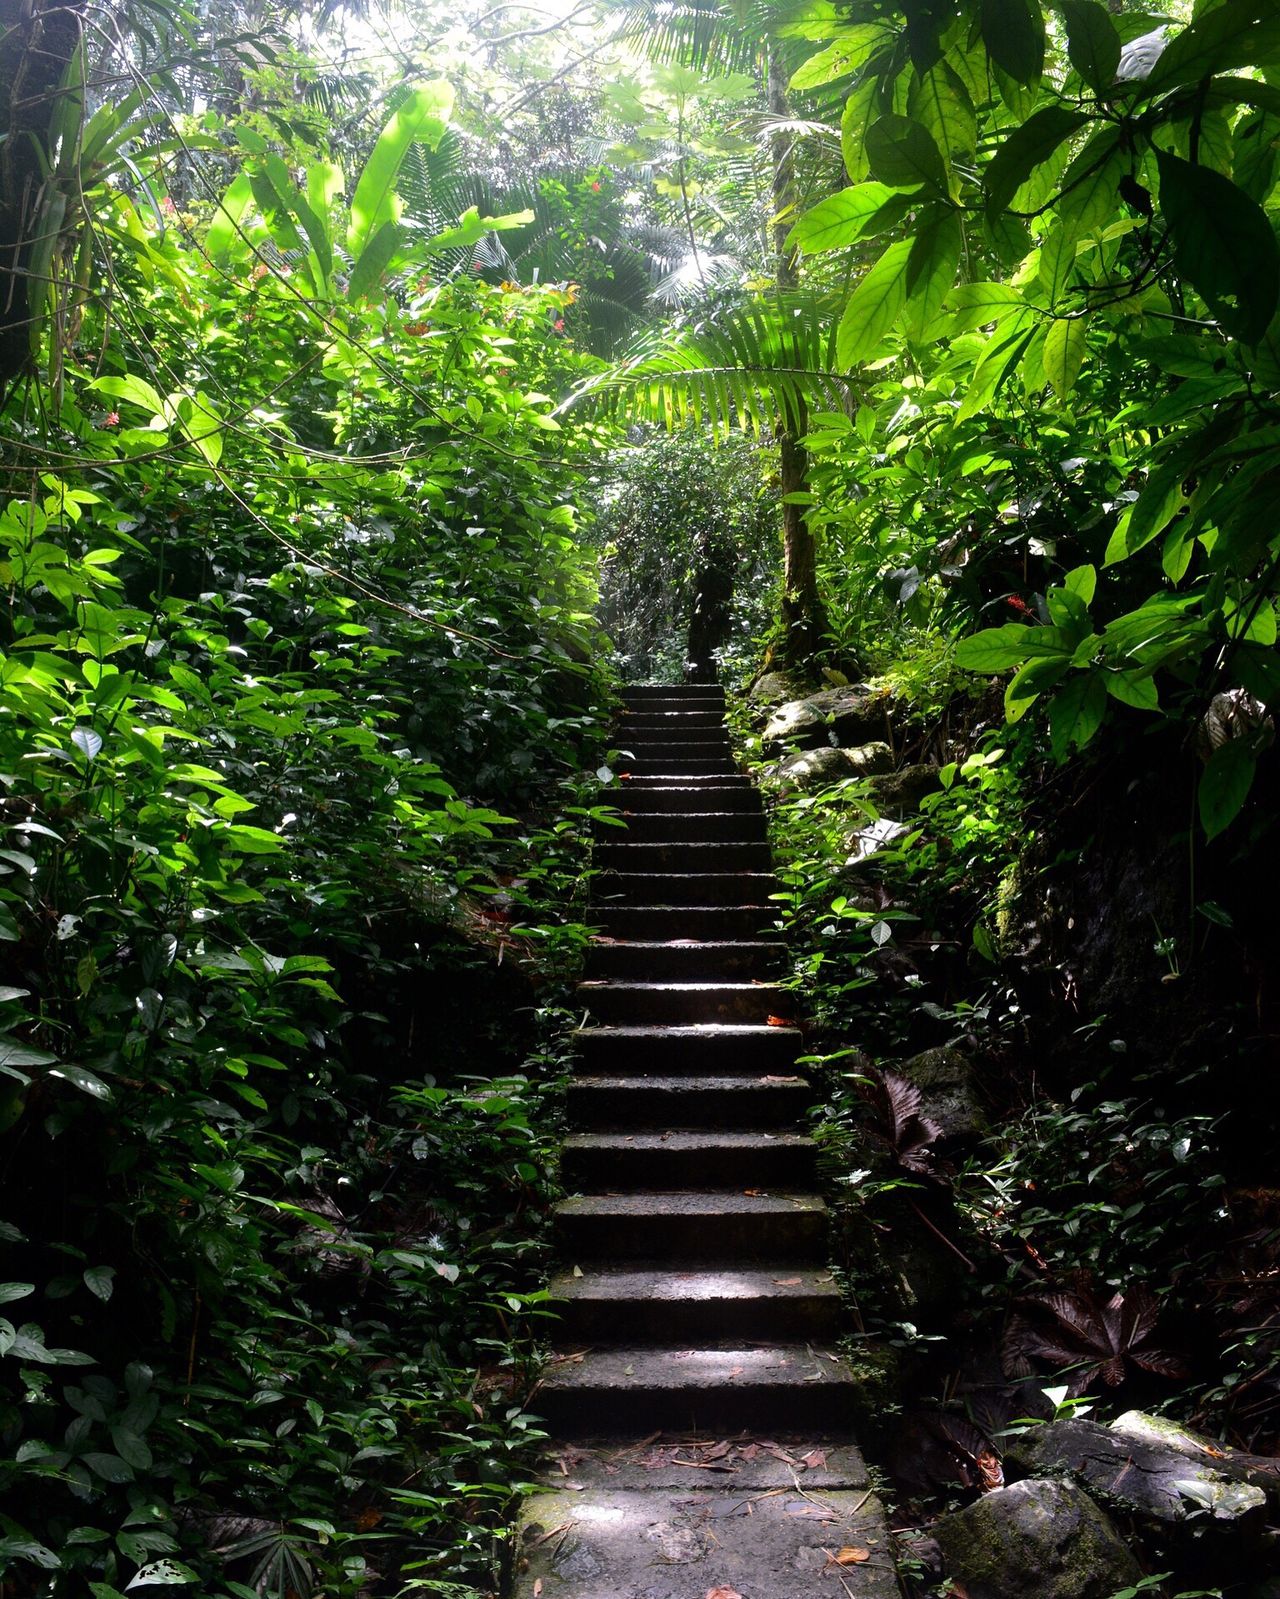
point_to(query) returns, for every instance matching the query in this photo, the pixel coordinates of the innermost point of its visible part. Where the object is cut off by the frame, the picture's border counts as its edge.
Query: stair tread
(681, 1370)
(679, 985)
(687, 1085)
(644, 1281)
(688, 1139)
(689, 1030)
(693, 1202)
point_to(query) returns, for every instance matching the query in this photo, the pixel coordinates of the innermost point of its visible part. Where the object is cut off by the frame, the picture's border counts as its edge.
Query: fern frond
(759, 365)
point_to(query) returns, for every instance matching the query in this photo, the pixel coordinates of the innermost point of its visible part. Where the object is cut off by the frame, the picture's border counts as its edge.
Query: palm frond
(761, 364)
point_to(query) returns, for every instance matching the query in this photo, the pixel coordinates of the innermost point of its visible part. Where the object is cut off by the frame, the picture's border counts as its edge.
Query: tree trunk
(36, 45)
(804, 616)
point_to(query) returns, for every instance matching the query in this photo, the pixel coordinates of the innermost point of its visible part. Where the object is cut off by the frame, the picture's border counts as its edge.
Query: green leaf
(100, 1281)
(1001, 353)
(839, 220)
(1076, 713)
(1223, 244)
(1151, 512)
(1013, 32)
(1065, 345)
(1240, 33)
(132, 1449)
(976, 305)
(1224, 786)
(902, 154)
(134, 389)
(422, 119)
(223, 238)
(1024, 150)
(1133, 688)
(472, 227)
(376, 256)
(854, 47)
(932, 264)
(83, 1079)
(109, 1467)
(1093, 45)
(998, 648)
(314, 225)
(874, 306)
(860, 111)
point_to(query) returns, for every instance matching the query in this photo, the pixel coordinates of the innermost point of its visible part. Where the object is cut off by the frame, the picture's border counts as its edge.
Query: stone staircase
(695, 1305)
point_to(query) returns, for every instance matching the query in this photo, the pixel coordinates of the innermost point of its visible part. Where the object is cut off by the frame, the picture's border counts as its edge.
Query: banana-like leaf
(423, 118)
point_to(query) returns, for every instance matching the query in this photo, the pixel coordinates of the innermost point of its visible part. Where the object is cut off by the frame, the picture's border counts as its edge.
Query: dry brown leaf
(779, 1021)
(815, 1459)
(756, 1193)
(537, 1587)
(788, 1282)
(723, 1593)
(850, 1557)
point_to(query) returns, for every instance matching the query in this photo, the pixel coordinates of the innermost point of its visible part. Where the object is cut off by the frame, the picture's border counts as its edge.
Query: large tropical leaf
(754, 366)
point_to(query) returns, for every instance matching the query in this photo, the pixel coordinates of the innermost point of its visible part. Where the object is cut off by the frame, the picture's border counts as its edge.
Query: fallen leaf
(788, 1282)
(537, 1587)
(723, 1593)
(779, 1021)
(755, 1193)
(850, 1557)
(577, 1271)
(815, 1459)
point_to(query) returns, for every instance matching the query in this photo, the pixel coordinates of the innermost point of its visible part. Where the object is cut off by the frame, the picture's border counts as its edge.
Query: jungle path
(703, 1444)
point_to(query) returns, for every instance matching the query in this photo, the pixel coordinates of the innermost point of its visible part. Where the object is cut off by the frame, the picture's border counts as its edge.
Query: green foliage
(298, 662)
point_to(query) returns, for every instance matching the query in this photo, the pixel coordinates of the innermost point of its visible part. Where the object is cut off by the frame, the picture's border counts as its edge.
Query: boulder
(1142, 1476)
(1260, 1471)
(945, 1078)
(775, 688)
(819, 768)
(901, 792)
(1043, 1537)
(845, 716)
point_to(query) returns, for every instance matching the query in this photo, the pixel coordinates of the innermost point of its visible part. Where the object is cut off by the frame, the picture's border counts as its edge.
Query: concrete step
(706, 1227)
(673, 771)
(646, 795)
(667, 922)
(730, 1103)
(685, 827)
(679, 1517)
(681, 1051)
(674, 740)
(680, 719)
(683, 888)
(753, 1387)
(630, 855)
(679, 693)
(718, 960)
(662, 1161)
(666, 1004)
(652, 1304)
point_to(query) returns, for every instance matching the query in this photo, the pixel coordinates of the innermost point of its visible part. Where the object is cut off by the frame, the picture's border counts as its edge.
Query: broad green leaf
(1223, 244)
(100, 1281)
(422, 119)
(199, 421)
(1082, 580)
(1065, 345)
(1024, 150)
(223, 238)
(1031, 680)
(939, 104)
(1134, 688)
(1013, 32)
(1224, 785)
(902, 154)
(88, 1082)
(314, 225)
(839, 220)
(932, 264)
(998, 648)
(874, 306)
(1150, 513)
(976, 305)
(1093, 45)
(860, 111)
(366, 275)
(1002, 352)
(1239, 33)
(1057, 260)
(134, 389)
(855, 46)
(1076, 713)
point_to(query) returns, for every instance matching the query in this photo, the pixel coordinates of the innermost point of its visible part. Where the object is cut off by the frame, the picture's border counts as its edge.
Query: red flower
(558, 324)
(111, 420)
(1017, 603)
(595, 188)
